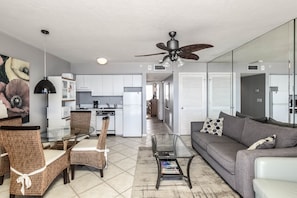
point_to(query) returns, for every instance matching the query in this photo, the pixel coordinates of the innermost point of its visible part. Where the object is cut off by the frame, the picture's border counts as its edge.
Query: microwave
(66, 112)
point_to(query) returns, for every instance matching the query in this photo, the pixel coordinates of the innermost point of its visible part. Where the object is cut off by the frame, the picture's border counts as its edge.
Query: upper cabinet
(83, 83)
(68, 90)
(65, 88)
(107, 85)
(132, 80)
(118, 84)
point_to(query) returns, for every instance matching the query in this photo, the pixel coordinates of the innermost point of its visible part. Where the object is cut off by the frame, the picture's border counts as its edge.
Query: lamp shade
(44, 87)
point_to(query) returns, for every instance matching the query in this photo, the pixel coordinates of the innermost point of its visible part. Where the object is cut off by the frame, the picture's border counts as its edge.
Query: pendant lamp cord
(45, 33)
(44, 56)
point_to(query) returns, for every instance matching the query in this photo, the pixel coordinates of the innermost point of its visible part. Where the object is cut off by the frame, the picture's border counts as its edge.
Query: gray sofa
(228, 154)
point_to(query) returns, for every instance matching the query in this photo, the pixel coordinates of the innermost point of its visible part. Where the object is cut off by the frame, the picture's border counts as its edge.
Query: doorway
(253, 95)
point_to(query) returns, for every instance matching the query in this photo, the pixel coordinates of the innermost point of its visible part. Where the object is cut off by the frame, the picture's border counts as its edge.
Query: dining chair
(80, 122)
(91, 152)
(4, 161)
(32, 168)
(80, 128)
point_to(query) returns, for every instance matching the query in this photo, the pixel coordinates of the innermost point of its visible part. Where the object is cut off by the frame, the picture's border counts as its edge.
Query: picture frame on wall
(14, 88)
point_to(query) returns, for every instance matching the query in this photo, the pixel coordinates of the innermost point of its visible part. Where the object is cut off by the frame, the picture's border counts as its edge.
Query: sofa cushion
(225, 154)
(203, 139)
(275, 122)
(266, 143)
(233, 126)
(253, 131)
(259, 119)
(213, 126)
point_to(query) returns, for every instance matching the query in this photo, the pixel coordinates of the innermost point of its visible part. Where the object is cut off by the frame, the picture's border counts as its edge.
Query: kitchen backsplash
(87, 98)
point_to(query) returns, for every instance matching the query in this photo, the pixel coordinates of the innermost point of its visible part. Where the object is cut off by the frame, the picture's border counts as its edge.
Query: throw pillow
(266, 143)
(213, 126)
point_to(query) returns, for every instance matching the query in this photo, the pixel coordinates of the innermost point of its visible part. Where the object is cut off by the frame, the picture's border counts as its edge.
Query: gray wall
(55, 66)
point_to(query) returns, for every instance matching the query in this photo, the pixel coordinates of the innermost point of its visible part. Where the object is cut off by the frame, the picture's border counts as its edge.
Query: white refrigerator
(132, 116)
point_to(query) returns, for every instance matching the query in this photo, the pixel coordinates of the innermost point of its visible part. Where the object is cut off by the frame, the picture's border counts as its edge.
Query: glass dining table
(63, 138)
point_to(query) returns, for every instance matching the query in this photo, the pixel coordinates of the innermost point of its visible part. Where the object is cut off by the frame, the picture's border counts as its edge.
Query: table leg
(188, 172)
(159, 173)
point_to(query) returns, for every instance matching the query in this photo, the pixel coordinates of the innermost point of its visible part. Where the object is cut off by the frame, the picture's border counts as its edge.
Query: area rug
(205, 181)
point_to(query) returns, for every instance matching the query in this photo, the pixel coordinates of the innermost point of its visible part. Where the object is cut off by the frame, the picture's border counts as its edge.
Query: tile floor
(118, 176)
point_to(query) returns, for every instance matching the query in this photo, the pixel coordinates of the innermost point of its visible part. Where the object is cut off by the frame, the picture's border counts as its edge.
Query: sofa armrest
(279, 168)
(196, 126)
(245, 160)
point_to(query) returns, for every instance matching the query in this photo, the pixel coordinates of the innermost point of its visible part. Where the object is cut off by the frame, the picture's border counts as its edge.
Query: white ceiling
(81, 31)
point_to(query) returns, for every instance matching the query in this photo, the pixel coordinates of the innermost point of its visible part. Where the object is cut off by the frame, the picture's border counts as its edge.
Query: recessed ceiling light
(102, 61)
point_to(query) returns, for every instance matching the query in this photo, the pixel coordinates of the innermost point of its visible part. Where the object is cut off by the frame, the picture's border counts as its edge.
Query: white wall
(55, 66)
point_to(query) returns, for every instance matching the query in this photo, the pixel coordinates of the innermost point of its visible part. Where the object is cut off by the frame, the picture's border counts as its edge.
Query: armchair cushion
(51, 155)
(86, 145)
(275, 177)
(265, 188)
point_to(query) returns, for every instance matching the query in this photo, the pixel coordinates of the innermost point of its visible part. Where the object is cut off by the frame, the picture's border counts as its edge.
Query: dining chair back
(80, 122)
(4, 161)
(32, 168)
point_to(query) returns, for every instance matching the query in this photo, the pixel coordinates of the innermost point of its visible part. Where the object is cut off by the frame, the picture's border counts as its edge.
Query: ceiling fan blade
(188, 56)
(194, 47)
(150, 54)
(164, 58)
(162, 46)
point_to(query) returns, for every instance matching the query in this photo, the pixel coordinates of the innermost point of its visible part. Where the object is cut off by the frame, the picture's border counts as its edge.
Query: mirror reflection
(256, 79)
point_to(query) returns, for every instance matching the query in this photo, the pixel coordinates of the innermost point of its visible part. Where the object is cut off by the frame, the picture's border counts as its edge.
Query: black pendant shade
(44, 87)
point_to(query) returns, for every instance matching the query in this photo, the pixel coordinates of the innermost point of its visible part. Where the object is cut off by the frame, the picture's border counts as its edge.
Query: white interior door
(192, 100)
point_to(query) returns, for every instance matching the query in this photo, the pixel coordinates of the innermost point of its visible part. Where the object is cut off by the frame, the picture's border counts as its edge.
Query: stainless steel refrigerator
(132, 114)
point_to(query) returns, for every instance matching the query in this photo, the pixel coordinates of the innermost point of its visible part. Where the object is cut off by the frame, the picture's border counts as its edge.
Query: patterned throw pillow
(266, 143)
(213, 126)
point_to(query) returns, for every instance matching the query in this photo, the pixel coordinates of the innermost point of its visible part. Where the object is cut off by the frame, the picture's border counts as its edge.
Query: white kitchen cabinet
(83, 83)
(95, 84)
(61, 103)
(119, 122)
(132, 80)
(107, 85)
(118, 85)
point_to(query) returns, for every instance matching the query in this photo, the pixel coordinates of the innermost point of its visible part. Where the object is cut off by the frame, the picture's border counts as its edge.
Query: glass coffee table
(167, 149)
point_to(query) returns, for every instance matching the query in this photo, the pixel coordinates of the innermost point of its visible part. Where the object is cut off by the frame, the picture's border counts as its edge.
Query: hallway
(155, 126)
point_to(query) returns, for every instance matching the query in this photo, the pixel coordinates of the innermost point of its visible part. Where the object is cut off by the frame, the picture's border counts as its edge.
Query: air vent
(159, 68)
(253, 67)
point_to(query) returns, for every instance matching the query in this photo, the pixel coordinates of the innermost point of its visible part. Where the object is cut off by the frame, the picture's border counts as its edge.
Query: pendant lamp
(44, 86)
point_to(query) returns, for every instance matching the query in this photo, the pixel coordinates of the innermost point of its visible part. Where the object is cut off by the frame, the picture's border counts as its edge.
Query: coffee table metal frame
(168, 148)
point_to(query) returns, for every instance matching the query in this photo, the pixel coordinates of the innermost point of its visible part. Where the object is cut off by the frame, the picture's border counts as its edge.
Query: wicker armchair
(91, 152)
(4, 161)
(32, 169)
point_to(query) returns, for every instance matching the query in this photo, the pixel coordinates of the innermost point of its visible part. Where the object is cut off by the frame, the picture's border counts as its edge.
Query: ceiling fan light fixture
(180, 63)
(101, 61)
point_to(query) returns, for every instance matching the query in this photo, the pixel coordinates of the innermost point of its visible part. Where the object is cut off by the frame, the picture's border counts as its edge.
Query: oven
(103, 113)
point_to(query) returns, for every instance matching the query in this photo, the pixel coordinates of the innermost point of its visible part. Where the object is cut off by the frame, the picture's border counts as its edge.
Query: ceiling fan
(174, 51)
